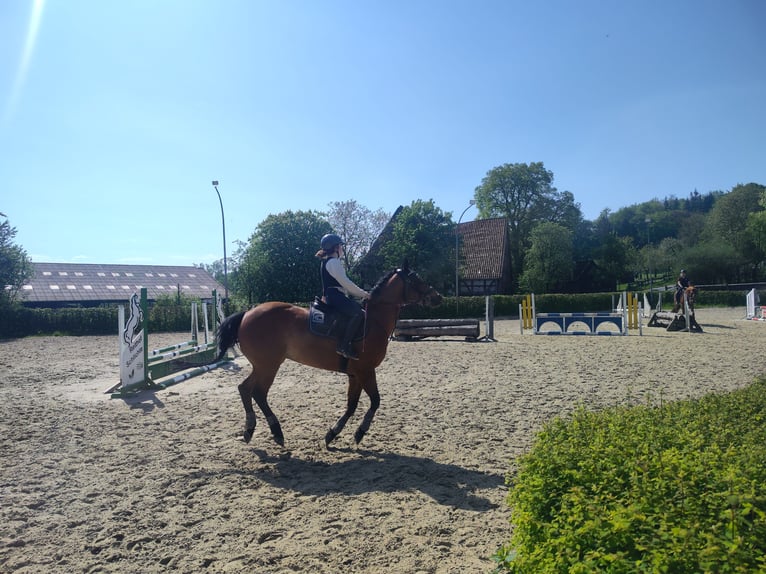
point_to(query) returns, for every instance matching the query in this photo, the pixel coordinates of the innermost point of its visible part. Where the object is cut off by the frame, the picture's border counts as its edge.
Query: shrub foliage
(678, 488)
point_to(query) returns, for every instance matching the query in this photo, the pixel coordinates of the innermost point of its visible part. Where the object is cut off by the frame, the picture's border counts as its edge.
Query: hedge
(23, 321)
(675, 488)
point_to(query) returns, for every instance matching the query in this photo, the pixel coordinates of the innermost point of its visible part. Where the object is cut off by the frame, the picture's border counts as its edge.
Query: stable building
(91, 285)
(484, 255)
(483, 258)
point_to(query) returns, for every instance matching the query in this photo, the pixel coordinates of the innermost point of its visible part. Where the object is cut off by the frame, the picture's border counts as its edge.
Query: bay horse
(689, 295)
(274, 331)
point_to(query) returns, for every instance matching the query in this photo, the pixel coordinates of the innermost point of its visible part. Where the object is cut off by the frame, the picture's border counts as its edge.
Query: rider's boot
(345, 346)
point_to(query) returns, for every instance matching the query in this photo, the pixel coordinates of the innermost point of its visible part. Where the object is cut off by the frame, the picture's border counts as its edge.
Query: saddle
(326, 321)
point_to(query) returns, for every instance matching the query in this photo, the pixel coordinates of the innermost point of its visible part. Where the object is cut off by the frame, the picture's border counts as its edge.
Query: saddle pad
(325, 321)
(322, 320)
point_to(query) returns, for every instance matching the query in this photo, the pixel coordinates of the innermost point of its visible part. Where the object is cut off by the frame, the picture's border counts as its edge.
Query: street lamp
(457, 258)
(223, 224)
(648, 221)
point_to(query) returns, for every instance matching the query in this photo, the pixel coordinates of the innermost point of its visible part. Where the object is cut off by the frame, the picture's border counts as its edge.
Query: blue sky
(116, 116)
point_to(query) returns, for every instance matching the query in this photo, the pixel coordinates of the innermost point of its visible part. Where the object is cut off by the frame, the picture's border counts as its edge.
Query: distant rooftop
(484, 247)
(484, 255)
(57, 284)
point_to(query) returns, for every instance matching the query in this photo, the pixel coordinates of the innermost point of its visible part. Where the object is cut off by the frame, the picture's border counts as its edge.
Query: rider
(681, 285)
(337, 287)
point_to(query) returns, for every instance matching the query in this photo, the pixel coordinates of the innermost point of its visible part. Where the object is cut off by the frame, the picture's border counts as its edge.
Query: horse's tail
(228, 333)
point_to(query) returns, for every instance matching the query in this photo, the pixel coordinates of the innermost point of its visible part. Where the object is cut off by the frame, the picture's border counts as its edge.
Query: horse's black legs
(354, 392)
(371, 388)
(276, 428)
(252, 388)
(246, 395)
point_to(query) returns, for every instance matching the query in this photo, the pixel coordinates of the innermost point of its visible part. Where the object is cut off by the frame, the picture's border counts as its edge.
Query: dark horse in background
(272, 332)
(689, 295)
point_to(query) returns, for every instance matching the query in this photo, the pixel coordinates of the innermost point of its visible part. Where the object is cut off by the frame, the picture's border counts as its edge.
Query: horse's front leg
(354, 392)
(371, 388)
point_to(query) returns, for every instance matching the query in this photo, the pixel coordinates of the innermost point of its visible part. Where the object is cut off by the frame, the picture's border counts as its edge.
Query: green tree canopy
(279, 262)
(728, 221)
(756, 224)
(711, 262)
(548, 264)
(524, 194)
(15, 265)
(424, 236)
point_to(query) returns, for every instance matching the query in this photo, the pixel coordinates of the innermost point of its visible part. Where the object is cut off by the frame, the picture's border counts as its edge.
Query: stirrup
(347, 352)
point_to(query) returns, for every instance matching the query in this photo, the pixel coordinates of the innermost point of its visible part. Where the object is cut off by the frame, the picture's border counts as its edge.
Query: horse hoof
(329, 437)
(248, 434)
(358, 436)
(279, 439)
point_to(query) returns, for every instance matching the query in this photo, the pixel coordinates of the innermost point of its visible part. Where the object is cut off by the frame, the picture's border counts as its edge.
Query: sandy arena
(164, 482)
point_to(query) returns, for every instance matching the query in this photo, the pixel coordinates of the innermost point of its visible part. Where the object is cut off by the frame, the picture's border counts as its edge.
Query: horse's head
(691, 295)
(405, 287)
(416, 290)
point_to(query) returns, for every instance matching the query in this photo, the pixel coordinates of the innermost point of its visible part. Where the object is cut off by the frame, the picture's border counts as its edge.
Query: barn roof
(483, 248)
(56, 284)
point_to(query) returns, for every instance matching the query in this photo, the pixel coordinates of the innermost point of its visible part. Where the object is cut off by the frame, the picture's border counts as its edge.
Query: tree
(524, 195)
(616, 257)
(711, 262)
(756, 224)
(15, 265)
(357, 225)
(669, 257)
(424, 236)
(728, 221)
(279, 263)
(548, 264)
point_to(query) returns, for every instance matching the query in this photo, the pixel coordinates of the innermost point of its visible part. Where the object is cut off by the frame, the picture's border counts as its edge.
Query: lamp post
(223, 225)
(457, 255)
(648, 221)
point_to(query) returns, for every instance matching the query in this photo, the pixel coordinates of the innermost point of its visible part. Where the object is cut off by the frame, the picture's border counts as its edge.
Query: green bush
(679, 488)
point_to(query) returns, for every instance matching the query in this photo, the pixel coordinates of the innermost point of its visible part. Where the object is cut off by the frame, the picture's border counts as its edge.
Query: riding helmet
(330, 240)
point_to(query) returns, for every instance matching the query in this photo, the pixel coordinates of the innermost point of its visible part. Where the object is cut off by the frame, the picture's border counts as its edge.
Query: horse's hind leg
(371, 388)
(257, 386)
(246, 394)
(260, 393)
(354, 392)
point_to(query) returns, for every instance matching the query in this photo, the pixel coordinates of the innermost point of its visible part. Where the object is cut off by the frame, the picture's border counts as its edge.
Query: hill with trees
(718, 236)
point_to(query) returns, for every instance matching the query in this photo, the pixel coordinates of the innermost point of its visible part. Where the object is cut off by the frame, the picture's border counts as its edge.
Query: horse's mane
(375, 291)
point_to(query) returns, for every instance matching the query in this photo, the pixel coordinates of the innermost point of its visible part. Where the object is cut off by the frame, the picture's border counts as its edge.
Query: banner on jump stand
(132, 359)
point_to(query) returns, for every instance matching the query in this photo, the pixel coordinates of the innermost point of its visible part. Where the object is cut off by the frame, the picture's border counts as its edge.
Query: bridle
(408, 278)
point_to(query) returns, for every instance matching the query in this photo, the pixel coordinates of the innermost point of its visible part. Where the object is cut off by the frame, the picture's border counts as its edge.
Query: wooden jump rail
(408, 329)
